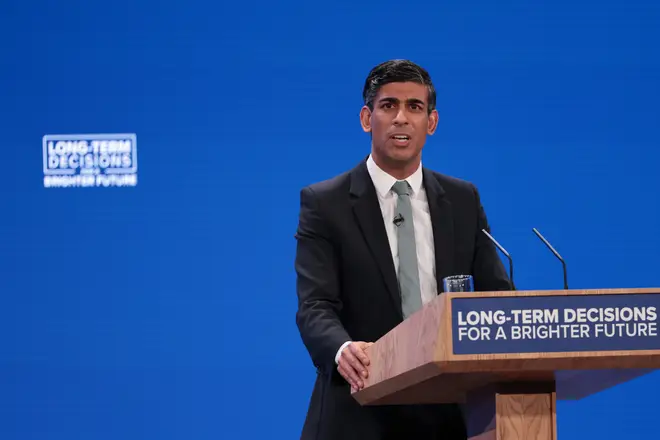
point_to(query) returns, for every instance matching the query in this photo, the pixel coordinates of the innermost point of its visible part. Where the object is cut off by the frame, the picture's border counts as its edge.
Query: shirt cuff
(344, 345)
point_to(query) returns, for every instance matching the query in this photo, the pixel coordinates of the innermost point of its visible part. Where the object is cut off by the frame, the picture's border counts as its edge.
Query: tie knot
(402, 188)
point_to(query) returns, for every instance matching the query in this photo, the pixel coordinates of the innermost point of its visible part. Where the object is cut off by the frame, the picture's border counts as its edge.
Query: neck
(398, 169)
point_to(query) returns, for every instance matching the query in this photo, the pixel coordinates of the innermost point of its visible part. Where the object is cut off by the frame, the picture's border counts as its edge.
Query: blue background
(167, 310)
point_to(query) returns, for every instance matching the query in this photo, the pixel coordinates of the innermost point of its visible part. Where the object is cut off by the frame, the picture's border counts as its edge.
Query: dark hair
(396, 71)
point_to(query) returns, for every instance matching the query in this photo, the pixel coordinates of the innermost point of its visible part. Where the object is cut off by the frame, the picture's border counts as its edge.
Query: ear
(365, 119)
(433, 122)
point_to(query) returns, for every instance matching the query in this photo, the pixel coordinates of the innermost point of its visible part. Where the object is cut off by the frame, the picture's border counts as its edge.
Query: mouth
(400, 139)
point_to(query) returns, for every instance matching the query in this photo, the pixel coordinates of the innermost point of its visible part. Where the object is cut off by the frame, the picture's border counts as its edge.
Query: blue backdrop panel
(167, 310)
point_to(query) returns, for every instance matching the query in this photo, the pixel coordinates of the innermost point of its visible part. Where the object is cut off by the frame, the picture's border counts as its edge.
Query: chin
(404, 155)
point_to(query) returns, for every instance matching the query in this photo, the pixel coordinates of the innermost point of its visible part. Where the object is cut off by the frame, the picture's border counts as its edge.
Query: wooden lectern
(506, 357)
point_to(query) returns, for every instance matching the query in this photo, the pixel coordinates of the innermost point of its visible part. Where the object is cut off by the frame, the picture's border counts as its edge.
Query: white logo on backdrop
(90, 160)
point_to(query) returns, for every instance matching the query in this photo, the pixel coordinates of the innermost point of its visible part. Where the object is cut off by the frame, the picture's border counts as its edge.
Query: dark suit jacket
(347, 290)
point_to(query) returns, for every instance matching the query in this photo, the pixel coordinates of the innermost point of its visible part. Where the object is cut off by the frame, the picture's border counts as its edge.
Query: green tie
(411, 296)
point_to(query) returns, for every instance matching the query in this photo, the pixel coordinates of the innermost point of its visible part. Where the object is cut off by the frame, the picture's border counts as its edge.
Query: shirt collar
(383, 181)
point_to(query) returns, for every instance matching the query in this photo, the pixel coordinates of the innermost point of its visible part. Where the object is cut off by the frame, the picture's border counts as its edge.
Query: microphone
(563, 263)
(398, 220)
(499, 246)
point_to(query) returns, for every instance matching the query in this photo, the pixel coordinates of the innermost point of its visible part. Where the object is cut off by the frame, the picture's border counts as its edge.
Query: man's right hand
(353, 364)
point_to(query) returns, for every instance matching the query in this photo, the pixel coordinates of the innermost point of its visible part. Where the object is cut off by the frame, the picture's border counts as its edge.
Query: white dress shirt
(387, 199)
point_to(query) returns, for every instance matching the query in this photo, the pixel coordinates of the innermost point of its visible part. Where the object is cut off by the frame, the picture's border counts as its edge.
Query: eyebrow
(396, 100)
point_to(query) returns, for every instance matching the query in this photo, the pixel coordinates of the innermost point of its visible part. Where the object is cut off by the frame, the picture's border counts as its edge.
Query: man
(374, 244)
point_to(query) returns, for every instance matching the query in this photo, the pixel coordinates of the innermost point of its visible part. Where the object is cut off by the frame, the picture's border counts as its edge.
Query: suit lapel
(370, 219)
(443, 227)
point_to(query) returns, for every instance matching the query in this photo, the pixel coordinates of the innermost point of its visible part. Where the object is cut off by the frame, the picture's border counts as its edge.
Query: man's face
(399, 123)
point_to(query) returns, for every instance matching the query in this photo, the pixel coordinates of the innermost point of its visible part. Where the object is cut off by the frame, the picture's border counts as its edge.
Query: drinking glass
(458, 283)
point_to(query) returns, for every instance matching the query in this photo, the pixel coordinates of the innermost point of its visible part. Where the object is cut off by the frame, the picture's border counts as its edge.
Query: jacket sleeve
(489, 272)
(318, 287)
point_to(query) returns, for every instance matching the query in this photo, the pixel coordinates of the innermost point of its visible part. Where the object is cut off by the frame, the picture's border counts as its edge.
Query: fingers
(350, 375)
(351, 355)
(358, 351)
(353, 363)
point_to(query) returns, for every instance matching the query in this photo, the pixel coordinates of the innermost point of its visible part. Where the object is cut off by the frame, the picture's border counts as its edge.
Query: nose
(400, 118)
